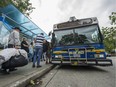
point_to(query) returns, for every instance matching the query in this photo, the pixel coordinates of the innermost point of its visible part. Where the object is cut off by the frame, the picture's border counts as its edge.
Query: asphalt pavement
(81, 76)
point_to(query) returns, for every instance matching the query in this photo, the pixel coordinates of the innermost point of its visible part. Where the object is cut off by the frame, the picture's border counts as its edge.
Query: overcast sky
(49, 12)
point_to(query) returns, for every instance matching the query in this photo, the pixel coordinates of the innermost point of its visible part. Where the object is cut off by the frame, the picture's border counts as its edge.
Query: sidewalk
(23, 75)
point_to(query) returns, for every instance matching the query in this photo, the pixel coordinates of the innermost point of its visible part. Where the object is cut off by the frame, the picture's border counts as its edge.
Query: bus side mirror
(102, 38)
(53, 39)
(50, 33)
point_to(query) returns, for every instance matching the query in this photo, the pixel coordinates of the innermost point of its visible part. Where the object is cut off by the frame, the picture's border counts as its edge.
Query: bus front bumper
(82, 62)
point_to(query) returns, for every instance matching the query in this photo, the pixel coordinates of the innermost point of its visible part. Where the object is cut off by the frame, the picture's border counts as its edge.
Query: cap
(17, 28)
(41, 33)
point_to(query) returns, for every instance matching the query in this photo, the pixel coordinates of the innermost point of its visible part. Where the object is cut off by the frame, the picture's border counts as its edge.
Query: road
(73, 76)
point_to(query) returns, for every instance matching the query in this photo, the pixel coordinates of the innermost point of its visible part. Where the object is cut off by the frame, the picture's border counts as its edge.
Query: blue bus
(78, 42)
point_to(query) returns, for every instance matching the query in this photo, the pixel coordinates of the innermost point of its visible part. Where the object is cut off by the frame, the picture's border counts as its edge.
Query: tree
(110, 34)
(23, 5)
(112, 17)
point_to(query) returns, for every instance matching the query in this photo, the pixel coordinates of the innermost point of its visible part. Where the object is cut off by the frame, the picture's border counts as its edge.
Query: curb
(24, 81)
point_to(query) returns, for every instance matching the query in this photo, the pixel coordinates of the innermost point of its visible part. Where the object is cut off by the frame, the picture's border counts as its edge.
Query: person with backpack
(13, 42)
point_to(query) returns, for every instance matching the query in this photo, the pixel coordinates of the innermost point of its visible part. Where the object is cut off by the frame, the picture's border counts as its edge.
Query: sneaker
(46, 62)
(12, 69)
(5, 71)
(38, 66)
(33, 66)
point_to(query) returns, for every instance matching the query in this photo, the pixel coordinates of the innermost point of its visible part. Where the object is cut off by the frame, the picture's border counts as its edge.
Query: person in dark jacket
(45, 48)
(24, 45)
(46, 51)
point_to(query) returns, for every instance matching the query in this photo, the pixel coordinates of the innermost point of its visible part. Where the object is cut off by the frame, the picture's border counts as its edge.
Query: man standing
(14, 38)
(38, 49)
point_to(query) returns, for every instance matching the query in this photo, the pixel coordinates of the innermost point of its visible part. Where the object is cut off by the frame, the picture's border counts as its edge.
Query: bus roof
(76, 23)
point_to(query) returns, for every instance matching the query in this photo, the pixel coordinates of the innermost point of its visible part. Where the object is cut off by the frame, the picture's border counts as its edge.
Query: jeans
(44, 56)
(37, 54)
(30, 56)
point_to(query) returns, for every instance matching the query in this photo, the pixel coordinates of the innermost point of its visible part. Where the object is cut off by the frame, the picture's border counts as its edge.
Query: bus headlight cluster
(99, 55)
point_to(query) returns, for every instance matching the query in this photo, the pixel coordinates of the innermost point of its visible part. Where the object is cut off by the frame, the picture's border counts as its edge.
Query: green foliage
(112, 17)
(110, 34)
(23, 5)
(109, 38)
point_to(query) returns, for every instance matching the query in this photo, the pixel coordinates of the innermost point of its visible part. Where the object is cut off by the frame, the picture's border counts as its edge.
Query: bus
(78, 42)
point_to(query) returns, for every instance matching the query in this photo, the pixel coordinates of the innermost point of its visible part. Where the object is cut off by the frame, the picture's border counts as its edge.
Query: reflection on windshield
(72, 39)
(76, 36)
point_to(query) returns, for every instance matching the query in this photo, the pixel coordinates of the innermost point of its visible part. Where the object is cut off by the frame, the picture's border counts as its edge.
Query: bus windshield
(77, 36)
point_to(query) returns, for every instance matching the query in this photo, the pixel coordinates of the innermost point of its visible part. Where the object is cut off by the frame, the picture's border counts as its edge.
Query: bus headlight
(101, 55)
(58, 56)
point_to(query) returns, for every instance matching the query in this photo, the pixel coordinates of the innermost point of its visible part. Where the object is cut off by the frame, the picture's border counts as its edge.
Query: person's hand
(25, 45)
(17, 47)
